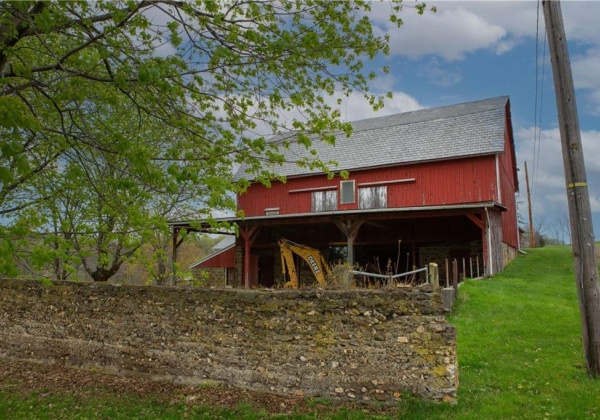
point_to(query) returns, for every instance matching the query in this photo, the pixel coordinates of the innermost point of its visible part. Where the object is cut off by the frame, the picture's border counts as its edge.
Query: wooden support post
(434, 275)
(249, 235)
(447, 273)
(488, 268)
(176, 241)
(471, 267)
(455, 275)
(350, 229)
(174, 255)
(482, 223)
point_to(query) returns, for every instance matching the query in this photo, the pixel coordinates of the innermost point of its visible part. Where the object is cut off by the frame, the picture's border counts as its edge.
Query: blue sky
(481, 49)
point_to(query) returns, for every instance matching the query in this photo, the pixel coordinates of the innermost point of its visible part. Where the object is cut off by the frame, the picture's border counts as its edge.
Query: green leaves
(15, 115)
(115, 116)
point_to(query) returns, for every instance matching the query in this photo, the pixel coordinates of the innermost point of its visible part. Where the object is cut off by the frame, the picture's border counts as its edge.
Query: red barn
(423, 186)
(219, 267)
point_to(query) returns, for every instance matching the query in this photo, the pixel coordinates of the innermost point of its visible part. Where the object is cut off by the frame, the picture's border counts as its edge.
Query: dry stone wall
(355, 345)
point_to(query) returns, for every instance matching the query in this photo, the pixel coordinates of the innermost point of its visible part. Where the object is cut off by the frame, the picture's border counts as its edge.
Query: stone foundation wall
(354, 345)
(508, 254)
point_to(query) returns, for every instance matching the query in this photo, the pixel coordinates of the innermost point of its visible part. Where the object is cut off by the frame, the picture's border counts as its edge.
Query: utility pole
(531, 230)
(580, 214)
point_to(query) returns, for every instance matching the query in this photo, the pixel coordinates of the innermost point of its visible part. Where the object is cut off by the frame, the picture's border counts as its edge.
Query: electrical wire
(539, 98)
(539, 123)
(535, 105)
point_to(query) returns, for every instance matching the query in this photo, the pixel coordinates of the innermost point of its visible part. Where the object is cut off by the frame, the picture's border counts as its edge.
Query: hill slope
(519, 342)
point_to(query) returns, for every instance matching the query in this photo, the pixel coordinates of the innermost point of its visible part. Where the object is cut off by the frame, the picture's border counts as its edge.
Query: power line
(535, 105)
(539, 124)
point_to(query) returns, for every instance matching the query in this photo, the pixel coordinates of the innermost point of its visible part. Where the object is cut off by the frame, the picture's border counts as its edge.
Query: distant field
(518, 344)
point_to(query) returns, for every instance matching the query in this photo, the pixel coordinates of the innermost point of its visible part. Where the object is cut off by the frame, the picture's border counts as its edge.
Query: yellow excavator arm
(313, 258)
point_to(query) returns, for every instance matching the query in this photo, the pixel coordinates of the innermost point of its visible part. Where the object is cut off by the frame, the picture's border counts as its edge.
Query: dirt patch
(27, 377)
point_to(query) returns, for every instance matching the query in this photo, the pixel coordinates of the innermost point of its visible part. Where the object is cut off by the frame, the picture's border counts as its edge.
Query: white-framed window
(324, 200)
(372, 197)
(347, 189)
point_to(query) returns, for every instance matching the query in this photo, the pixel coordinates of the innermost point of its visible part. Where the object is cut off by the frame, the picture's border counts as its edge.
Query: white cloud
(462, 27)
(585, 69)
(581, 21)
(450, 33)
(595, 205)
(517, 18)
(507, 45)
(587, 77)
(458, 28)
(383, 83)
(437, 74)
(355, 107)
(352, 108)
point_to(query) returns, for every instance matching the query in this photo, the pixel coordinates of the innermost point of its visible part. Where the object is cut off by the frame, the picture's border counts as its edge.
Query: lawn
(519, 343)
(519, 349)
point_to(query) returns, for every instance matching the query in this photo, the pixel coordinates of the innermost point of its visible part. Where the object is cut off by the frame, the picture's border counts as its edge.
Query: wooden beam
(350, 229)
(249, 235)
(486, 245)
(175, 244)
(479, 222)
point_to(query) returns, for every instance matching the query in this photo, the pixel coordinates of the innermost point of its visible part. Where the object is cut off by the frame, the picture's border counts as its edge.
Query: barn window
(324, 200)
(347, 192)
(372, 197)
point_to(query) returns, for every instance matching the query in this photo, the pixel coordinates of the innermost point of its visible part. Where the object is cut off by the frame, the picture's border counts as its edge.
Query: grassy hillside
(519, 342)
(519, 351)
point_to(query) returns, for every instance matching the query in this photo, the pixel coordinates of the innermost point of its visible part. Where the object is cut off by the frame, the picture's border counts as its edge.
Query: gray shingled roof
(226, 242)
(448, 132)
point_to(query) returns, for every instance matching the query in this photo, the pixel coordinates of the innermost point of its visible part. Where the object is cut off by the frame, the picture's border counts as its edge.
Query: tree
(130, 103)
(106, 219)
(564, 225)
(151, 263)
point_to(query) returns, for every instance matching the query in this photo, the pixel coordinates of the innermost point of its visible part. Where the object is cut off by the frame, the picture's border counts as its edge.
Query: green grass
(519, 342)
(519, 349)
(106, 406)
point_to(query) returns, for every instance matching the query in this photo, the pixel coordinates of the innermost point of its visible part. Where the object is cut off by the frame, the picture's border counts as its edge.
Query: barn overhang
(341, 228)
(381, 213)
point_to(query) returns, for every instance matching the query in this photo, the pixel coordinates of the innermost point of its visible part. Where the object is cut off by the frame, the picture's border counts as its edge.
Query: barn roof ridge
(469, 108)
(444, 132)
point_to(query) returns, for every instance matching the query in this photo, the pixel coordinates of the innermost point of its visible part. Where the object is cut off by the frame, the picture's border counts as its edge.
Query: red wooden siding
(508, 185)
(458, 181)
(224, 259)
